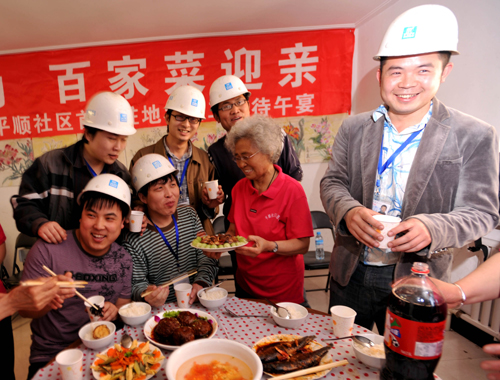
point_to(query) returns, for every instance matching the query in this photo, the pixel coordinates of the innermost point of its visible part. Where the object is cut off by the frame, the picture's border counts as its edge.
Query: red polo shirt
(2, 241)
(279, 213)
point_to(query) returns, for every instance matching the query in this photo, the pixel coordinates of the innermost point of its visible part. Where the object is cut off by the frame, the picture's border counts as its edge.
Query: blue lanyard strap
(176, 252)
(92, 170)
(382, 167)
(183, 172)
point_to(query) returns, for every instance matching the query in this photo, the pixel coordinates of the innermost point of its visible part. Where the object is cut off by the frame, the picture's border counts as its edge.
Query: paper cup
(136, 221)
(98, 301)
(212, 188)
(70, 364)
(182, 292)
(342, 320)
(389, 223)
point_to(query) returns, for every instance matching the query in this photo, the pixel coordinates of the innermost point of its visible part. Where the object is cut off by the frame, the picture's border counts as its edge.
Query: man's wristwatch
(275, 249)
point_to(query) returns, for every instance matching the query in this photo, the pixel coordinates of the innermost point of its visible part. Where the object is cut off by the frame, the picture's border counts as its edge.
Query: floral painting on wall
(311, 136)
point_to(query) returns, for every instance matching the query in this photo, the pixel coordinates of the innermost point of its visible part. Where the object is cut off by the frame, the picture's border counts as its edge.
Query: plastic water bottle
(320, 252)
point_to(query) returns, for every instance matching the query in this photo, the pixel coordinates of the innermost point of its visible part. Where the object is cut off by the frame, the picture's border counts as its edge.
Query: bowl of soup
(212, 357)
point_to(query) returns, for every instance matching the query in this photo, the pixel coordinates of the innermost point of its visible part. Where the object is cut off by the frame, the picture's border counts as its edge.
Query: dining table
(245, 330)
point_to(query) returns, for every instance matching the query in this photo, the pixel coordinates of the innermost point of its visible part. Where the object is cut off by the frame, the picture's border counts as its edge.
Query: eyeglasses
(192, 120)
(244, 158)
(229, 106)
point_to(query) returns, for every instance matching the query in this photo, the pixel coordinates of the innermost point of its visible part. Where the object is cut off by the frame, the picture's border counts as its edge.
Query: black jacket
(50, 187)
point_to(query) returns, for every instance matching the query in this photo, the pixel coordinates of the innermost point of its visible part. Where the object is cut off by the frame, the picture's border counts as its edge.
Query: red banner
(289, 74)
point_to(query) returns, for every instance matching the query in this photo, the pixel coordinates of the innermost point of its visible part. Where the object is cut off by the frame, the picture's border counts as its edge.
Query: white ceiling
(31, 25)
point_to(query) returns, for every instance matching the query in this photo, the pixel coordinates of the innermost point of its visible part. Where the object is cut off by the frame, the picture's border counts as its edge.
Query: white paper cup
(342, 320)
(212, 188)
(389, 223)
(136, 221)
(70, 364)
(183, 292)
(98, 301)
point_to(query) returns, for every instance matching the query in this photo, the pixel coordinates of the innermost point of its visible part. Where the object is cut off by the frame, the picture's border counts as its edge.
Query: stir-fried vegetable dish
(134, 363)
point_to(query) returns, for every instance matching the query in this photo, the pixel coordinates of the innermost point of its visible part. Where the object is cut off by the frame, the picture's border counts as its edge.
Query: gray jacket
(452, 186)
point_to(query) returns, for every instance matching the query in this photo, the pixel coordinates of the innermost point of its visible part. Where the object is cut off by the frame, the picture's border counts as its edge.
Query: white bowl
(213, 304)
(290, 323)
(95, 344)
(213, 346)
(365, 357)
(137, 320)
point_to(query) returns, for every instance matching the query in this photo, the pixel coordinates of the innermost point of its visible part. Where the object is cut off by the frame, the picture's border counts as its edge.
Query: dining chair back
(320, 221)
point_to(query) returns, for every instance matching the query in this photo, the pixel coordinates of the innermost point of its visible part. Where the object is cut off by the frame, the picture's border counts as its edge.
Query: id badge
(381, 204)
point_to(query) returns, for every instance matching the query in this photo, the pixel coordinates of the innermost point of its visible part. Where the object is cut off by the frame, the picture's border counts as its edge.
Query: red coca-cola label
(417, 340)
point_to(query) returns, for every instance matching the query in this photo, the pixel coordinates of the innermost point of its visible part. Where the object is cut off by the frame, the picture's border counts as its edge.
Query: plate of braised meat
(173, 328)
(283, 353)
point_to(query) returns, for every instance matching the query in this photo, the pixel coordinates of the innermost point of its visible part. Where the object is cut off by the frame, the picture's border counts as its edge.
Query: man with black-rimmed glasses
(185, 109)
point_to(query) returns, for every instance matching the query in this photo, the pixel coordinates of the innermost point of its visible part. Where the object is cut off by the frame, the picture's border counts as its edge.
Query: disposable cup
(389, 223)
(136, 221)
(183, 292)
(212, 188)
(98, 301)
(342, 320)
(70, 364)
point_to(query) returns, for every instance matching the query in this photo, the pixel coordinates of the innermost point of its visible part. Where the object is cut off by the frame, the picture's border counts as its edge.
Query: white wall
(473, 84)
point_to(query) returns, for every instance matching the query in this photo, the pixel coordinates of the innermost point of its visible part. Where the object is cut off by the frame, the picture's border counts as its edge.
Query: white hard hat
(420, 30)
(110, 112)
(226, 87)
(150, 167)
(187, 100)
(109, 184)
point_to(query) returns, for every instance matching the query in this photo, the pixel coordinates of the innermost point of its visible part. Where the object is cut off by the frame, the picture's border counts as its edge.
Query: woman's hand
(158, 297)
(193, 297)
(492, 365)
(261, 245)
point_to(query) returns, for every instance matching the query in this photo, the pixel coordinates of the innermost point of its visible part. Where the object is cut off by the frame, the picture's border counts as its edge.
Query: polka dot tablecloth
(247, 331)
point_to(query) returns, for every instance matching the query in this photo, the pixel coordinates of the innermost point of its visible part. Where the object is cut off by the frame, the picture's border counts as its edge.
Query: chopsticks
(77, 293)
(148, 292)
(310, 370)
(61, 284)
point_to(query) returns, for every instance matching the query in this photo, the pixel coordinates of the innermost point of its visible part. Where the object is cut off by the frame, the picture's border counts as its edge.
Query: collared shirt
(179, 165)
(279, 213)
(394, 179)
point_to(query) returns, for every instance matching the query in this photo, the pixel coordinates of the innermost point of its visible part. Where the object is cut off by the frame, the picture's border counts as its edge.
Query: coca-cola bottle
(414, 327)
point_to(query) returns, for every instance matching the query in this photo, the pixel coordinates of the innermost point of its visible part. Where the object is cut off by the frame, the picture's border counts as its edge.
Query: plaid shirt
(179, 165)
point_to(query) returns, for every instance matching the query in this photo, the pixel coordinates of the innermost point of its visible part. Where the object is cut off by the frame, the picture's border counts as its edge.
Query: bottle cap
(421, 268)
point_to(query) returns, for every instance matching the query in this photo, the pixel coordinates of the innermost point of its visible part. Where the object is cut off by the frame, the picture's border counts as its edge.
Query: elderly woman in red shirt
(270, 209)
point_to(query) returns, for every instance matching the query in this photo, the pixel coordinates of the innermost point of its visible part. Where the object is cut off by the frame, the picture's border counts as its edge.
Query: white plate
(217, 250)
(97, 374)
(150, 325)
(313, 345)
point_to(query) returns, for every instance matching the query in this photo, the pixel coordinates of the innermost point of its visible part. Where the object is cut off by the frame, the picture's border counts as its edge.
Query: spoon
(360, 339)
(211, 287)
(126, 340)
(279, 310)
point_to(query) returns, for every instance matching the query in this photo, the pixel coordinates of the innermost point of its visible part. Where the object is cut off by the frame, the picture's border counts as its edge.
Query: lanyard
(382, 167)
(183, 172)
(92, 170)
(176, 253)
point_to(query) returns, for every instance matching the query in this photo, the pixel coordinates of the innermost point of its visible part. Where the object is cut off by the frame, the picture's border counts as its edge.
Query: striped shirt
(155, 264)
